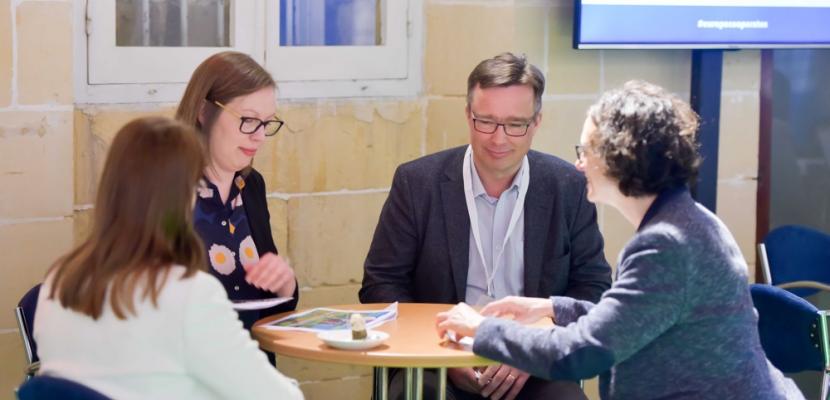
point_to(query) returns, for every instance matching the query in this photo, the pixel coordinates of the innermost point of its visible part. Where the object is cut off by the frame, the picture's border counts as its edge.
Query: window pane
(172, 23)
(331, 22)
(800, 142)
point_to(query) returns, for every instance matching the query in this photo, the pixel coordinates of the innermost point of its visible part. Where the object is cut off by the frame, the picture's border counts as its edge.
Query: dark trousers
(534, 388)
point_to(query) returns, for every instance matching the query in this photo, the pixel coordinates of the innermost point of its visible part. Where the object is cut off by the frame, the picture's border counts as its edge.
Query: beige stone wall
(329, 172)
(36, 158)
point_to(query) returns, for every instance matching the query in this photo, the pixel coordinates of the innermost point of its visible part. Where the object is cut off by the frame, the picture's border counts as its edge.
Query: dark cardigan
(259, 220)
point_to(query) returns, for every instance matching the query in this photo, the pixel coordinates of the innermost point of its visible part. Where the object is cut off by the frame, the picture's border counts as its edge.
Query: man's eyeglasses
(514, 129)
(580, 152)
(249, 125)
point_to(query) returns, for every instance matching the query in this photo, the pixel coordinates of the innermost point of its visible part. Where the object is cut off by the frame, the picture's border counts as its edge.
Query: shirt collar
(207, 190)
(478, 187)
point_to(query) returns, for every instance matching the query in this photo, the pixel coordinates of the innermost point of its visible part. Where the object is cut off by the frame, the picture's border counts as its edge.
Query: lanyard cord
(518, 210)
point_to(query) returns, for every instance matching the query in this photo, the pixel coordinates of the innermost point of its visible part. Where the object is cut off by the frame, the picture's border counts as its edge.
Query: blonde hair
(221, 77)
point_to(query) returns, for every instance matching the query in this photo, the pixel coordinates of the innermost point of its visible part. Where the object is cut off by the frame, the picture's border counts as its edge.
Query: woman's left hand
(271, 273)
(461, 319)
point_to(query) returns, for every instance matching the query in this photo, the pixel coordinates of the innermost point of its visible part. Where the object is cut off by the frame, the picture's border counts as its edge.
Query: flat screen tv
(701, 24)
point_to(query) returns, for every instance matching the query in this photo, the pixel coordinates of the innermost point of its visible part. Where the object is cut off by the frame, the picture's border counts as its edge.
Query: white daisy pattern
(222, 259)
(247, 252)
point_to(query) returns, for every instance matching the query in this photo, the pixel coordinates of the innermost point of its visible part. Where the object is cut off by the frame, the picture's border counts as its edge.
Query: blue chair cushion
(45, 387)
(785, 325)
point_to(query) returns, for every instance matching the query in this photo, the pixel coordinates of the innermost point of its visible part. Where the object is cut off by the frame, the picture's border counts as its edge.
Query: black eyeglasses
(514, 129)
(580, 152)
(249, 125)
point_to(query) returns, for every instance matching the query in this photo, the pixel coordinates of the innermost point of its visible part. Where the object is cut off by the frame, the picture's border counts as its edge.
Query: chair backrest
(43, 387)
(25, 313)
(790, 329)
(797, 253)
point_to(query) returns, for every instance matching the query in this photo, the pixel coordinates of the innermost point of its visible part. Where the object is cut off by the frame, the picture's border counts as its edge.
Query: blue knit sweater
(678, 322)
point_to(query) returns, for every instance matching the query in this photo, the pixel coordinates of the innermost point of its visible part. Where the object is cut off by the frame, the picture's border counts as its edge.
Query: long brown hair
(221, 77)
(142, 223)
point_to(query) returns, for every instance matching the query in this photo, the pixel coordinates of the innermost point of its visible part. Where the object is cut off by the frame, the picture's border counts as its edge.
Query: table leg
(442, 384)
(375, 383)
(381, 383)
(419, 384)
(408, 383)
(384, 387)
(414, 384)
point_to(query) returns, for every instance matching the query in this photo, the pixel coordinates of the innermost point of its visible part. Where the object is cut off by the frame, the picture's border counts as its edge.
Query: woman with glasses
(231, 101)
(678, 321)
(130, 312)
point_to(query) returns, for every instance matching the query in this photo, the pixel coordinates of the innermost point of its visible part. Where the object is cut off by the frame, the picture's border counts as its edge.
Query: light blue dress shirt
(493, 220)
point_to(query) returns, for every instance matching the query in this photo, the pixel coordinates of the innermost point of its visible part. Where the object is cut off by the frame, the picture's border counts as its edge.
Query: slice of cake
(358, 327)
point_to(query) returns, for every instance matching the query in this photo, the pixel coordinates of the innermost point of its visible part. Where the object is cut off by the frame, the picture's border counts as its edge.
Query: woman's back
(710, 348)
(191, 345)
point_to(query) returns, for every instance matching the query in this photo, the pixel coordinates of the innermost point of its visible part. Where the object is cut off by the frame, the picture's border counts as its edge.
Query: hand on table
(461, 319)
(271, 273)
(497, 381)
(525, 310)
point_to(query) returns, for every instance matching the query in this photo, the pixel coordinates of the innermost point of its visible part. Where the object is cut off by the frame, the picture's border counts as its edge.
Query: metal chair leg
(824, 316)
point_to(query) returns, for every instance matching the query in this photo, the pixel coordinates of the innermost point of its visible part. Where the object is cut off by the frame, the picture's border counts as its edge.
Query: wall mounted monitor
(701, 24)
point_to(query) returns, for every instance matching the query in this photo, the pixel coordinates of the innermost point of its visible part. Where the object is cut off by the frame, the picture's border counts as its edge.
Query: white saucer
(342, 339)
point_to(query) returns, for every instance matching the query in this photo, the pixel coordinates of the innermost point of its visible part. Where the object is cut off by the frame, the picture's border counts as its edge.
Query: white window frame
(105, 73)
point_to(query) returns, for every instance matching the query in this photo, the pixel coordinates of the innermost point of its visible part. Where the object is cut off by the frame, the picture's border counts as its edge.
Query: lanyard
(518, 210)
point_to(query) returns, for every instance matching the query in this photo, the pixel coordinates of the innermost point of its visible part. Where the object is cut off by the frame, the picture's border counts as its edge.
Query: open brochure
(329, 319)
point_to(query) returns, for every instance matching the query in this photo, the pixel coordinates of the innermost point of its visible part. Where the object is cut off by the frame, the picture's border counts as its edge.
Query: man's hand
(502, 382)
(464, 379)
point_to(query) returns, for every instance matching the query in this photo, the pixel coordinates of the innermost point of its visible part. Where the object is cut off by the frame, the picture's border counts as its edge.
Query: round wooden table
(413, 345)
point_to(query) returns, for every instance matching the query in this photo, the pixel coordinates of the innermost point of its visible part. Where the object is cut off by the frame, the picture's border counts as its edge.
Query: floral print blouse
(226, 234)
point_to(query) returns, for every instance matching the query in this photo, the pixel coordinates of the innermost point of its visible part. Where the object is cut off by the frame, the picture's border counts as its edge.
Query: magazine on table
(329, 319)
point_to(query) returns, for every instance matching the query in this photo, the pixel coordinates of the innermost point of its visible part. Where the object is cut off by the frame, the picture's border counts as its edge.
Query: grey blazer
(678, 323)
(420, 249)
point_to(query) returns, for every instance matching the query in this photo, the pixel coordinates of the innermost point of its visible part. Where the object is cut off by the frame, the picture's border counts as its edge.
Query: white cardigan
(192, 346)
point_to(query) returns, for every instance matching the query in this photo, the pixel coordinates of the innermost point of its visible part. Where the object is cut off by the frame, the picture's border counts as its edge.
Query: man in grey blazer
(488, 220)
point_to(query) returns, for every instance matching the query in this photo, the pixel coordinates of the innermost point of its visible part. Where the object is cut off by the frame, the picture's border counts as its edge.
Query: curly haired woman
(678, 322)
